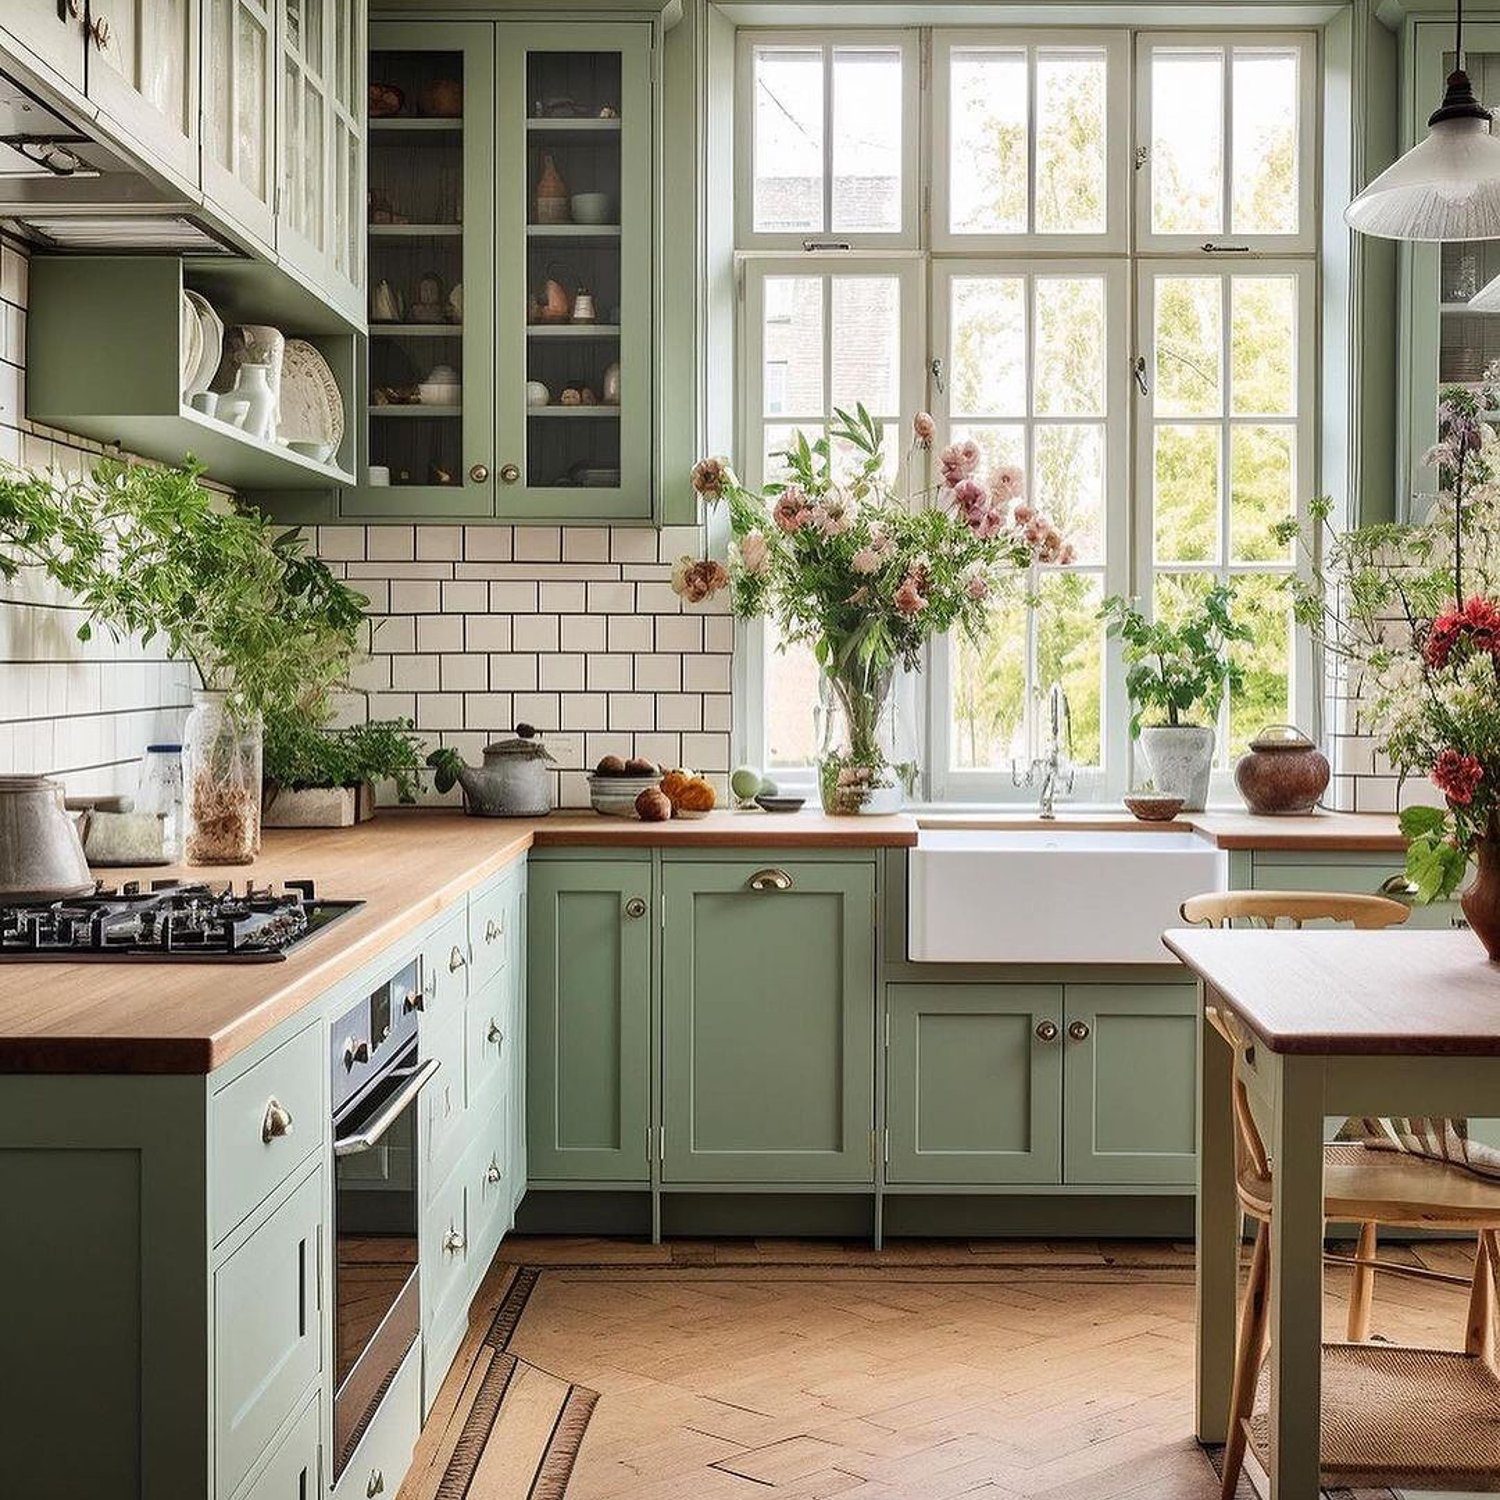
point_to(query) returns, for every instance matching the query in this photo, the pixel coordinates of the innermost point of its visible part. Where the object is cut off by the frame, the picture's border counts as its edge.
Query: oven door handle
(369, 1137)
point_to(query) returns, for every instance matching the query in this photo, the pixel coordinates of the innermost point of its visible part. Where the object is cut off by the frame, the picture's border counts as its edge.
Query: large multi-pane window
(1135, 332)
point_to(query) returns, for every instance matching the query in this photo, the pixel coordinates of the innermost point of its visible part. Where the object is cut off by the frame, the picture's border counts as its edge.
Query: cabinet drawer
(267, 1345)
(444, 987)
(492, 1177)
(1364, 876)
(445, 969)
(291, 1473)
(262, 1125)
(493, 1041)
(445, 1261)
(381, 1460)
(493, 927)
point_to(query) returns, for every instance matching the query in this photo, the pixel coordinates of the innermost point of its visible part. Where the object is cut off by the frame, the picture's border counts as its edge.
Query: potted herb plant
(866, 576)
(148, 551)
(319, 777)
(1172, 673)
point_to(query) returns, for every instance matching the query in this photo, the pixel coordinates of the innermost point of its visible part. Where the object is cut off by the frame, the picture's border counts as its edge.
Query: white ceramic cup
(379, 474)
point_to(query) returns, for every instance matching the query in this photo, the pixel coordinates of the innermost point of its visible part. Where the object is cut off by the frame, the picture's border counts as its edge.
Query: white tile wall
(83, 711)
(575, 630)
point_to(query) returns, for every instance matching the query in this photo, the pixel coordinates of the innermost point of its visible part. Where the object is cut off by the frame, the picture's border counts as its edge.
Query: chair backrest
(1267, 909)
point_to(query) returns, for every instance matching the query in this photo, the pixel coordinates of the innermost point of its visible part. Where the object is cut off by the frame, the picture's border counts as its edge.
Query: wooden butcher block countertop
(406, 866)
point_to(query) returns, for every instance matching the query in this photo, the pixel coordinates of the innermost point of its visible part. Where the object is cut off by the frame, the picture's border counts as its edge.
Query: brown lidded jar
(1282, 772)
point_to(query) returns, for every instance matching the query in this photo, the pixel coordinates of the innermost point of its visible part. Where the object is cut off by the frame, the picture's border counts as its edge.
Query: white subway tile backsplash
(440, 633)
(632, 711)
(584, 633)
(390, 543)
(538, 544)
(610, 671)
(440, 543)
(631, 633)
(658, 672)
(411, 597)
(535, 633)
(563, 674)
(463, 673)
(487, 543)
(567, 598)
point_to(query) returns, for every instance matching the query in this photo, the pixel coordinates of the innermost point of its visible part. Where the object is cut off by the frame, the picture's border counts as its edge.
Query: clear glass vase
(866, 760)
(221, 758)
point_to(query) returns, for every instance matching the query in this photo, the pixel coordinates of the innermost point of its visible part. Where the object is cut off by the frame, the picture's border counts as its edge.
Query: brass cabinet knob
(453, 1242)
(1079, 1031)
(492, 1173)
(456, 960)
(510, 473)
(494, 1034)
(1046, 1031)
(635, 907)
(479, 473)
(277, 1122)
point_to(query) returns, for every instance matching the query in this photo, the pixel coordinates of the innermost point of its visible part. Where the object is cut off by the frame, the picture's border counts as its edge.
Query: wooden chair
(1360, 1186)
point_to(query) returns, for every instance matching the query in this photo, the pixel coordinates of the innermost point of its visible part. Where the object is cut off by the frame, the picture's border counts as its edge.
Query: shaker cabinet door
(588, 1020)
(239, 113)
(53, 32)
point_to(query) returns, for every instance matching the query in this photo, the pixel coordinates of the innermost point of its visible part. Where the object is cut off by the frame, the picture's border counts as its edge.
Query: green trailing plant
(1173, 670)
(299, 754)
(146, 550)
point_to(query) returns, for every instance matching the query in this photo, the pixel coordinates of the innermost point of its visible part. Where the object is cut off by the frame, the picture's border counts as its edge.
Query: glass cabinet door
(142, 68)
(302, 225)
(430, 162)
(346, 146)
(239, 107)
(1455, 288)
(574, 235)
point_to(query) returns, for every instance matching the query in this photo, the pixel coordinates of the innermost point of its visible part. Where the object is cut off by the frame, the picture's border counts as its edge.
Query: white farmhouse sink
(1053, 895)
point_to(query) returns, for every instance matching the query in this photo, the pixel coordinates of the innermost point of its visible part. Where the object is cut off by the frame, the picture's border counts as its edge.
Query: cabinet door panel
(973, 1094)
(239, 151)
(1366, 876)
(52, 31)
(768, 1003)
(588, 1003)
(142, 67)
(1131, 1083)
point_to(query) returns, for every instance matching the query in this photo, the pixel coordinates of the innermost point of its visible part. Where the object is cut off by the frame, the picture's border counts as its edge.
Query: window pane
(1070, 163)
(1261, 470)
(988, 726)
(1069, 484)
(1263, 345)
(987, 168)
(867, 343)
(1188, 339)
(1175, 594)
(867, 138)
(988, 357)
(1185, 493)
(777, 440)
(1069, 379)
(847, 459)
(788, 152)
(1265, 697)
(1070, 650)
(1187, 145)
(793, 345)
(1264, 190)
(999, 442)
(791, 702)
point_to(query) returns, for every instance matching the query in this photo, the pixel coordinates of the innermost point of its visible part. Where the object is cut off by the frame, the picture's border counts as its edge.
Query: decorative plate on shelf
(189, 344)
(211, 331)
(312, 406)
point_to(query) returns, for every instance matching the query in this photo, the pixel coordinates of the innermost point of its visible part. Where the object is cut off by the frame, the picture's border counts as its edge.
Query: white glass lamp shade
(1447, 187)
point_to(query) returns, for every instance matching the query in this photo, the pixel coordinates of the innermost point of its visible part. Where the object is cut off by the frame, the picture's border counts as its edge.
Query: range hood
(63, 188)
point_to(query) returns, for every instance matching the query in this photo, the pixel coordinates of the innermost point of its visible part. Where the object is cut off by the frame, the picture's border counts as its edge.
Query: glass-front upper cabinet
(1454, 289)
(574, 219)
(429, 401)
(239, 107)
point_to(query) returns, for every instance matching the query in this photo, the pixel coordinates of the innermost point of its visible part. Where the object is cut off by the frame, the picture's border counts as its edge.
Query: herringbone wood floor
(1051, 1371)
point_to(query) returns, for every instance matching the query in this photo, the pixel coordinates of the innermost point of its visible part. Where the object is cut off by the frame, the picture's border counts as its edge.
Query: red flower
(1476, 625)
(1457, 776)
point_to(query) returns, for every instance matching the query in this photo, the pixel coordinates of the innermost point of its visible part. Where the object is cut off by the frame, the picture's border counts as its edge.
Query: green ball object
(745, 782)
(768, 788)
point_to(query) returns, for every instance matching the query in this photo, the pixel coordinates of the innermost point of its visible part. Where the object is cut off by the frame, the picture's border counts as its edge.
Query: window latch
(1138, 369)
(938, 371)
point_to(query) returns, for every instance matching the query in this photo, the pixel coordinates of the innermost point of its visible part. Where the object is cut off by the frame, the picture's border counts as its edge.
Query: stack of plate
(201, 343)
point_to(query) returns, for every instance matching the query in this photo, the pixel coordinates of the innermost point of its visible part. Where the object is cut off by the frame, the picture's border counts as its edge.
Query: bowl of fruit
(615, 783)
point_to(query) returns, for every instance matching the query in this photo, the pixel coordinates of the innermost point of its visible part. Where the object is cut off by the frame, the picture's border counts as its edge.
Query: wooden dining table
(1338, 1023)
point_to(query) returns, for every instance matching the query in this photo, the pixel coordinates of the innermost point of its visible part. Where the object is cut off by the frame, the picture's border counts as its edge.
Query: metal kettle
(41, 854)
(515, 780)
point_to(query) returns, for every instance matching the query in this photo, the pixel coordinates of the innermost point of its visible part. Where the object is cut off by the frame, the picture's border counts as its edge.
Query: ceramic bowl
(1153, 807)
(320, 452)
(592, 208)
(772, 804)
(439, 393)
(614, 796)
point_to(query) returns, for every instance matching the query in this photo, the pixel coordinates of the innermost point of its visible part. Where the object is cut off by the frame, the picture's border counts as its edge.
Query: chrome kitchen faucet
(1054, 769)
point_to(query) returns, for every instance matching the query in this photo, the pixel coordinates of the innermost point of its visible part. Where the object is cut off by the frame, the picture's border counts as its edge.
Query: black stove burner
(170, 921)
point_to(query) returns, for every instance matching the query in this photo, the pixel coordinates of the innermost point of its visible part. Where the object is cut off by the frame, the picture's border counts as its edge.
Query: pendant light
(1447, 187)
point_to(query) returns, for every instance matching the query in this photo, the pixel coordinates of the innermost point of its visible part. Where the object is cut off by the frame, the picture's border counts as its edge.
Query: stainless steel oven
(376, 1074)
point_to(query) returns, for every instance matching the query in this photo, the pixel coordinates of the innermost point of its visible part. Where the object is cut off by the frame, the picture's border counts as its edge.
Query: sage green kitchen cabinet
(239, 113)
(588, 1020)
(768, 1022)
(53, 32)
(1130, 1069)
(142, 73)
(974, 1083)
(1360, 873)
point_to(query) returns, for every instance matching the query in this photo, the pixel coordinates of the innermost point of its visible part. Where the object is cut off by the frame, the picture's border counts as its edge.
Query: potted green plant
(1174, 671)
(320, 777)
(148, 551)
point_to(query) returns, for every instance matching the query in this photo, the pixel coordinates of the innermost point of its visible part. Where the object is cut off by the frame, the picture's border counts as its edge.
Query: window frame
(1115, 44)
(1309, 180)
(1302, 687)
(828, 40)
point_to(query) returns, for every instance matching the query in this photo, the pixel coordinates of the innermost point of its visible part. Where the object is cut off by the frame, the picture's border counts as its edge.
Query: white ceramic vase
(253, 383)
(1181, 759)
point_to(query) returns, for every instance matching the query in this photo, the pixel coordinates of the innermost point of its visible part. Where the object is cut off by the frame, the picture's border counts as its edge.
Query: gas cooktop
(170, 921)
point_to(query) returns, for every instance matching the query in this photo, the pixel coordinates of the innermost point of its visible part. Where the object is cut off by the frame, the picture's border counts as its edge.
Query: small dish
(1153, 807)
(591, 208)
(780, 804)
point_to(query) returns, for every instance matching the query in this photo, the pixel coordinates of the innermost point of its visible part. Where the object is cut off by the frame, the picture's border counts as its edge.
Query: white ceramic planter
(1181, 761)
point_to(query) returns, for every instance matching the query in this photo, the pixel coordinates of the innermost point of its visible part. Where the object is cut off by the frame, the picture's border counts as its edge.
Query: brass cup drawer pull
(770, 880)
(277, 1122)
(1398, 887)
(1080, 1031)
(1047, 1031)
(456, 960)
(635, 907)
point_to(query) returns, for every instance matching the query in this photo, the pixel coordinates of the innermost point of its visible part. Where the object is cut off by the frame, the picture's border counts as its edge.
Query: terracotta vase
(552, 202)
(1481, 901)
